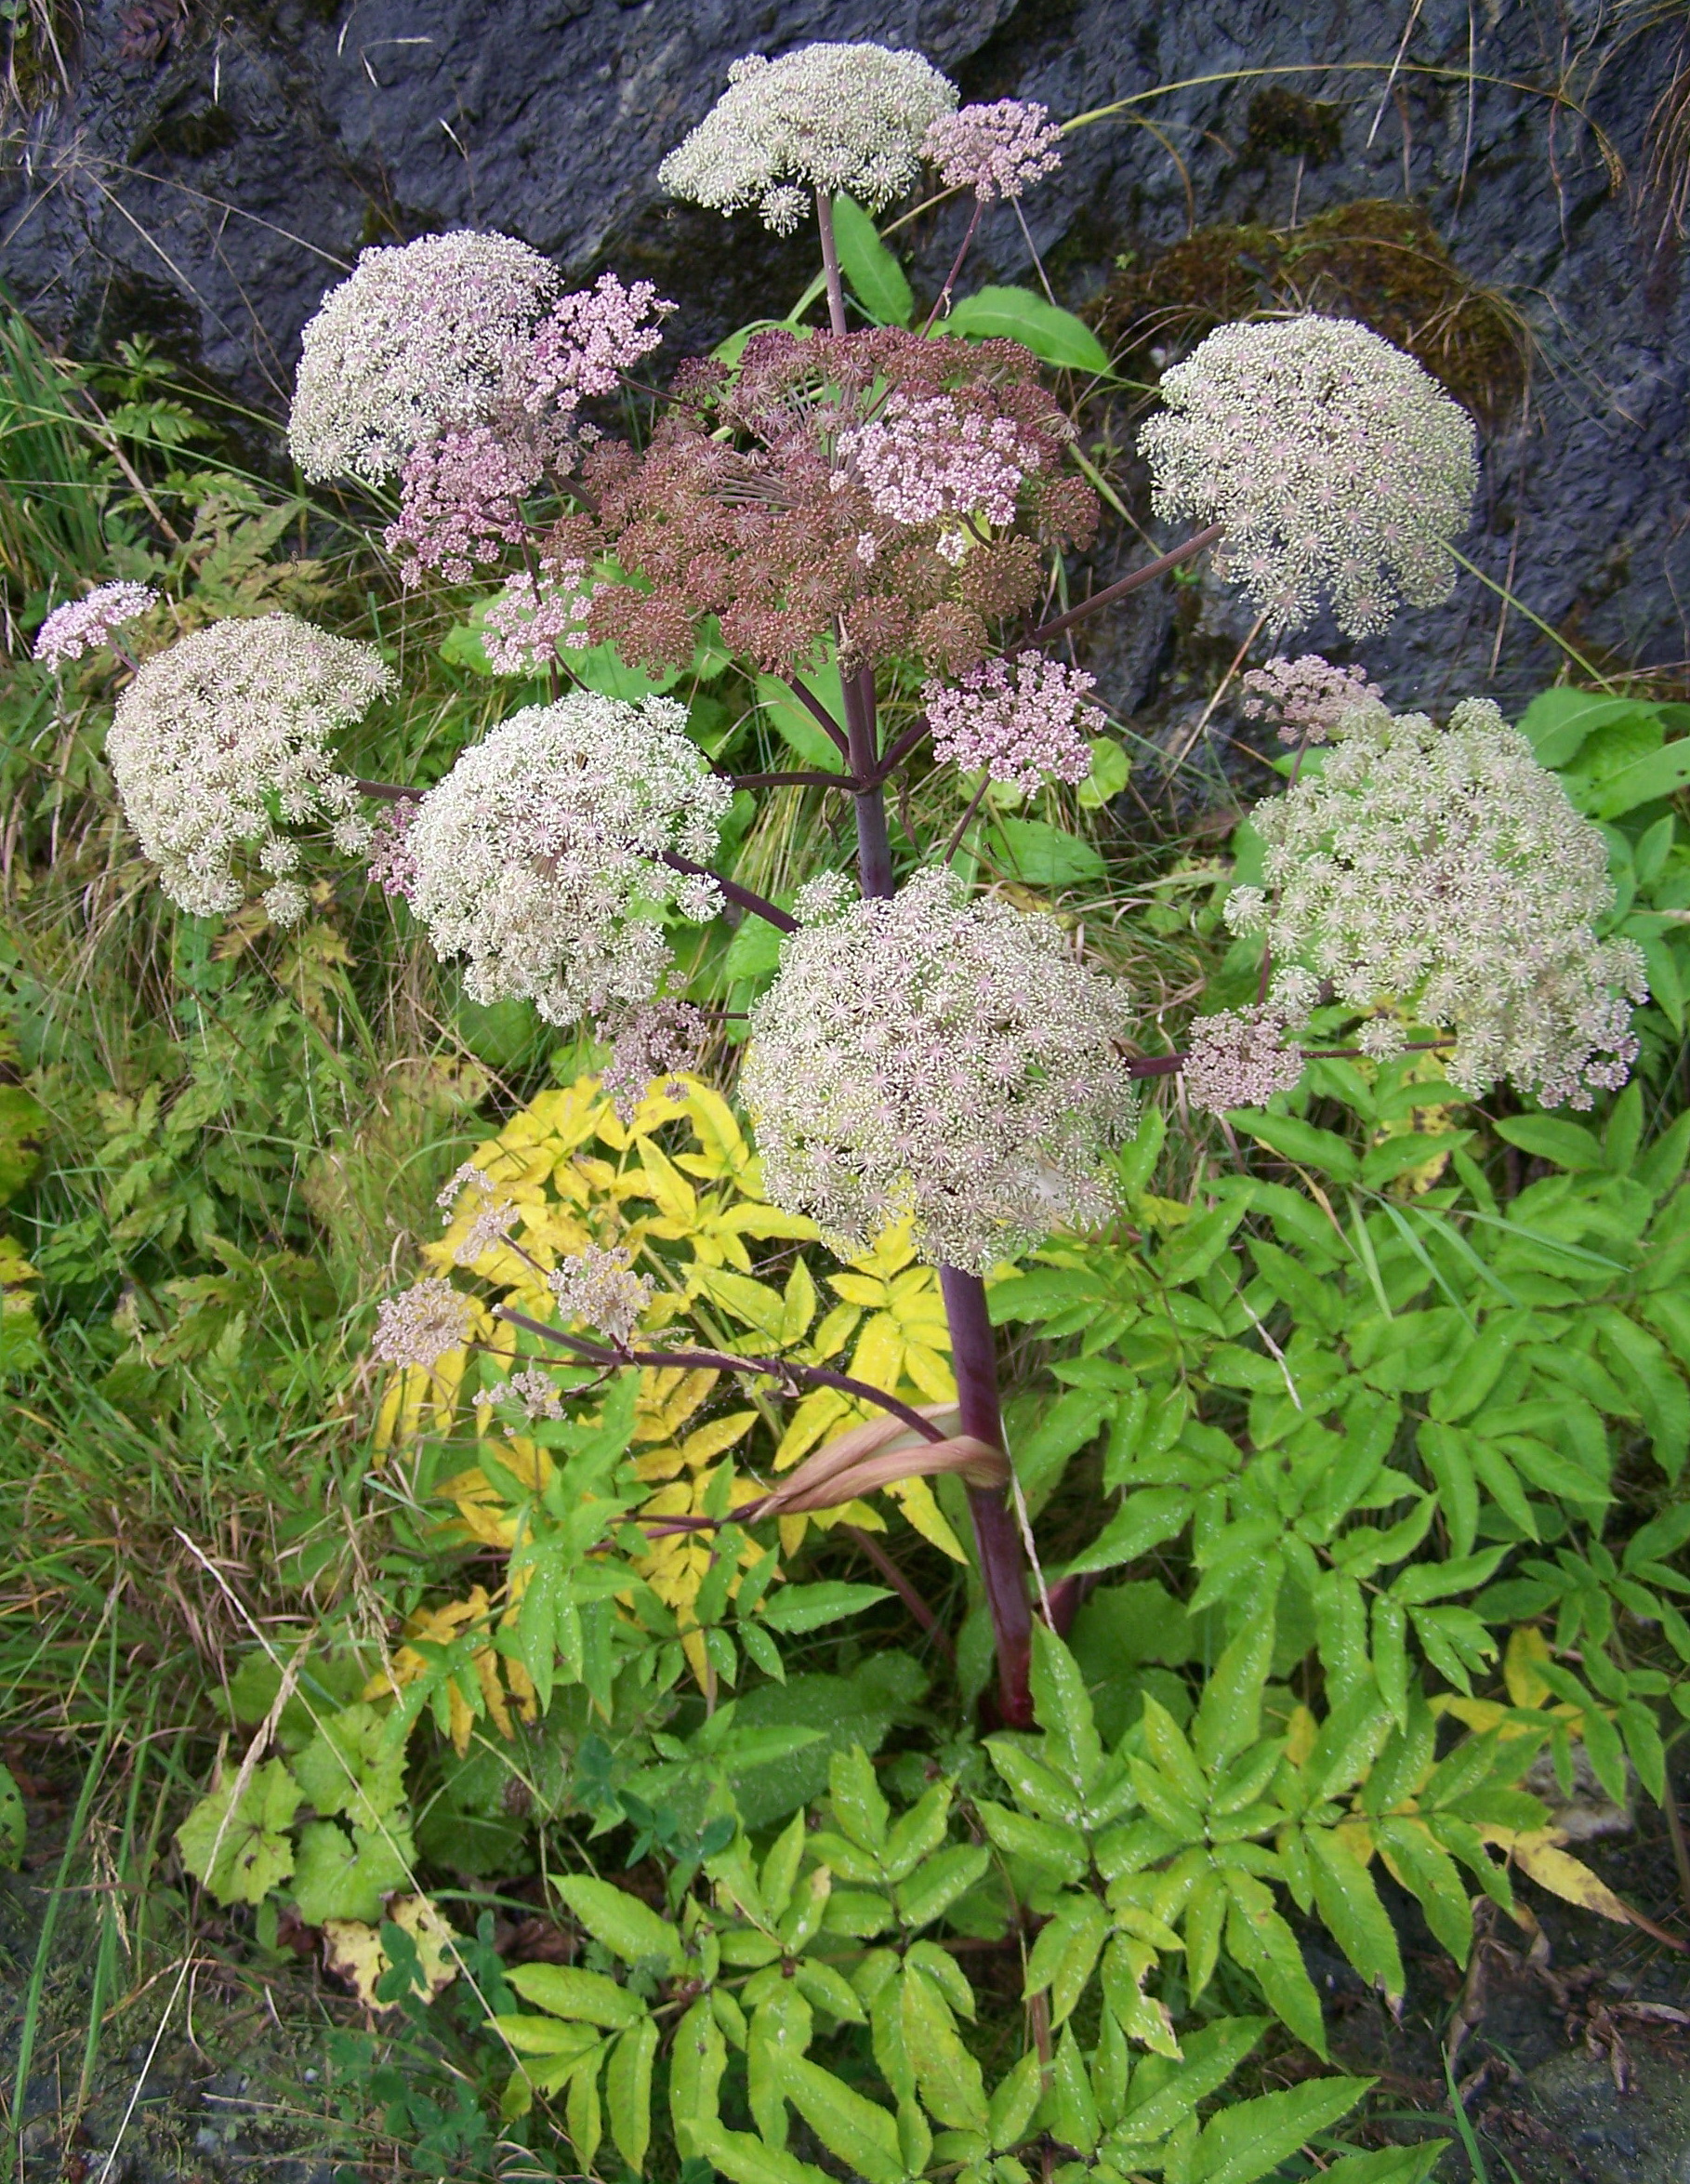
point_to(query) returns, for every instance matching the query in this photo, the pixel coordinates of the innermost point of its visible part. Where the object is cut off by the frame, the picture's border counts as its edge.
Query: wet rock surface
(206, 182)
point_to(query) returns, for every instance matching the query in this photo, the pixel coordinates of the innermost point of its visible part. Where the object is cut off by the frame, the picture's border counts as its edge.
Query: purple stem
(795, 780)
(776, 1369)
(757, 904)
(874, 843)
(818, 712)
(1003, 1563)
(389, 792)
(950, 278)
(830, 262)
(1114, 591)
(910, 740)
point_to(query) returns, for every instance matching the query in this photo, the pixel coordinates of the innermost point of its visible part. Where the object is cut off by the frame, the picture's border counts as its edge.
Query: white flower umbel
(538, 858)
(82, 625)
(1445, 870)
(1340, 470)
(825, 117)
(229, 730)
(420, 338)
(942, 1058)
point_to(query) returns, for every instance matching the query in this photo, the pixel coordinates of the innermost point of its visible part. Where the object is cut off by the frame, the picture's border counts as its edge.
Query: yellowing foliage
(679, 1189)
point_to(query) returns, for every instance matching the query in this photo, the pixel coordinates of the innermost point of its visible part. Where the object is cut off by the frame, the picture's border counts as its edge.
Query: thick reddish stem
(1003, 1562)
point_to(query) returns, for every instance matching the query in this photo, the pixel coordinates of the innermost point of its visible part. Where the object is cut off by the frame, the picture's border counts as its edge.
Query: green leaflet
(625, 1924)
(1252, 2138)
(861, 2134)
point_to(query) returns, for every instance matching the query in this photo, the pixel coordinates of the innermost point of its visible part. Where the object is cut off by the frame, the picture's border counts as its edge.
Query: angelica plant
(898, 501)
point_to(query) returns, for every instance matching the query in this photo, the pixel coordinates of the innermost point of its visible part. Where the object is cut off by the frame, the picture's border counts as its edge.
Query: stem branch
(997, 1538)
(830, 262)
(1111, 592)
(757, 904)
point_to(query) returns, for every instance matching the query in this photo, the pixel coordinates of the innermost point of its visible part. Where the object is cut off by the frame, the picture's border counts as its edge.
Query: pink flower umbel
(1309, 700)
(462, 503)
(82, 625)
(1021, 726)
(995, 151)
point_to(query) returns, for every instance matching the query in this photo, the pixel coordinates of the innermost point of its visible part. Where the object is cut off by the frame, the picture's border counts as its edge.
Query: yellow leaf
(1302, 1730)
(817, 1414)
(931, 1373)
(671, 1190)
(798, 1307)
(356, 1955)
(878, 1357)
(1538, 1854)
(1527, 1647)
(834, 1332)
(914, 1497)
(753, 1304)
(859, 1289)
(892, 1250)
(721, 1433)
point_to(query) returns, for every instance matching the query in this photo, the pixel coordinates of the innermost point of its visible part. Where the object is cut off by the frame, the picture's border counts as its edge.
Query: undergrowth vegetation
(616, 1711)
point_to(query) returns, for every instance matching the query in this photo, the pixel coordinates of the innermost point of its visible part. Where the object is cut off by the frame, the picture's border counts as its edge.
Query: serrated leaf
(1351, 1912)
(568, 1992)
(948, 2076)
(698, 2060)
(628, 2092)
(858, 2132)
(1249, 2138)
(745, 2159)
(628, 1928)
(808, 1607)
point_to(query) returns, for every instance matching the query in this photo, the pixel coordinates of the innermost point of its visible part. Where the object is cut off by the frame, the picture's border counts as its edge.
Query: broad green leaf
(1017, 315)
(1013, 2102)
(628, 2092)
(1062, 1706)
(858, 2132)
(948, 2075)
(1557, 721)
(1260, 1939)
(341, 1876)
(939, 1882)
(1429, 1872)
(241, 1852)
(807, 1607)
(1144, 1519)
(698, 2060)
(1390, 2164)
(568, 1992)
(745, 2159)
(1549, 1137)
(1162, 2092)
(856, 1798)
(1229, 1718)
(876, 278)
(1351, 1912)
(796, 725)
(628, 1928)
(1069, 2105)
(1659, 774)
(1301, 1143)
(1041, 855)
(1111, 770)
(1251, 2139)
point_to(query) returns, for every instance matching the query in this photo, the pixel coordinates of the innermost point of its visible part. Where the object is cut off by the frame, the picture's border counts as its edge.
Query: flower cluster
(420, 1325)
(532, 620)
(747, 503)
(585, 343)
(825, 117)
(1308, 700)
(1021, 726)
(533, 1389)
(928, 458)
(650, 1041)
(1446, 870)
(417, 340)
(462, 504)
(541, 856)
(1339, 469)
(996, 150)
(939, 1057)
(391, 865)
(1238, 1058)
(599, 1289)
(221, 725)
(80, 624)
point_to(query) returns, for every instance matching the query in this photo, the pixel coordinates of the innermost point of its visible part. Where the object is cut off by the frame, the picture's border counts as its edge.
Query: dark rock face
(207, 192)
